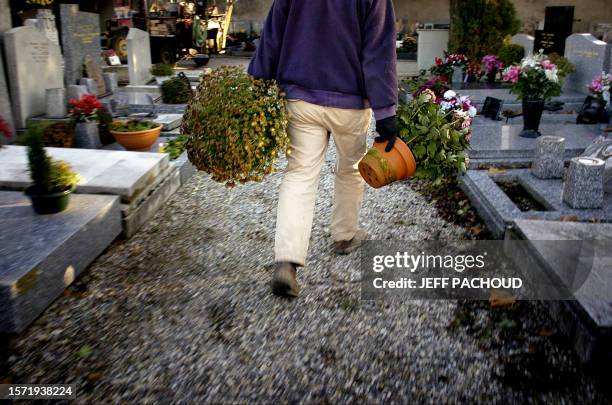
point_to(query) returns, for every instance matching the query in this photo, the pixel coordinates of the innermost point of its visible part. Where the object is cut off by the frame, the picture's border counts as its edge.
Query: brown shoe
(344, 247)
(284, 283)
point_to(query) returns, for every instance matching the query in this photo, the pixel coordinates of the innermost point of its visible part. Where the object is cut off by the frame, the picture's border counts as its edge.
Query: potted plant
(534, 81)
(84, 113)
(176, 91)
(438, 131)
(136, 135)
(379, 168)
(235, 126)
(447, 66)
(52, 180)
(162, 72)
(490, 66)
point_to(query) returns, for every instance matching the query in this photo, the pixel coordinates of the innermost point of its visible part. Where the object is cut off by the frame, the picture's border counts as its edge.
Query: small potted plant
(176, 91)
(162, 72)
(84, 113)
(136, 135)
(490, 66)
(52, 180)
(534, 81)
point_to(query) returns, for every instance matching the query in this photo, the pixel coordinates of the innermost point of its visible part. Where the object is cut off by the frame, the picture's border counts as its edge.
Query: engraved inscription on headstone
(590, 56)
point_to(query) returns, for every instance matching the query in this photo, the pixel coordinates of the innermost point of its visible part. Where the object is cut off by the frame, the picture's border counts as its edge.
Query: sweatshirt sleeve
(264, 64)
(379, 58)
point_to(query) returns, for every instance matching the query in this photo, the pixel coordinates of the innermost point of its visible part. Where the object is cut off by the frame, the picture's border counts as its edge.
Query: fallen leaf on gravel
(85, 351)
(495, 170)
(94, 376)
(501, 298)
(569, 218)
(546, 333)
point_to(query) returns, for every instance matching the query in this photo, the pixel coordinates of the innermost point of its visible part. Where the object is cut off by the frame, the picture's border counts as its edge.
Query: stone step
(40, 255)
(587, 320)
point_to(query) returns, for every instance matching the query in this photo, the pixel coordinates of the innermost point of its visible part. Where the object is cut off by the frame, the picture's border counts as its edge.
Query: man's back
(336, 53)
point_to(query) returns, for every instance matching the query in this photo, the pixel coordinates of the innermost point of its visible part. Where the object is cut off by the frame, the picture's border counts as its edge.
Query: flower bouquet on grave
(84, 113)
(535, 80)
(444, 67)
(601, 86)
(5, 130)
(491, 64)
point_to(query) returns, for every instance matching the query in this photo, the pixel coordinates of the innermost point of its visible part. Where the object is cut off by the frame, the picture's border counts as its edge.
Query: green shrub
(161, 69)
(478, 27)
(438, 143)
(176, 91)
(235, 126)
(511, 54)
(48, 175)
(564, 66)
(174, 147)
(133, 125)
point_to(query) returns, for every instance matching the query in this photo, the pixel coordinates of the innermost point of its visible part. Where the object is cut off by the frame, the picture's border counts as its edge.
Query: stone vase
(583, 187)
(532, 115)
(56, 103)
(110, 79)
(548, 159)
(75, 91)
(457, 77)
(86, 135)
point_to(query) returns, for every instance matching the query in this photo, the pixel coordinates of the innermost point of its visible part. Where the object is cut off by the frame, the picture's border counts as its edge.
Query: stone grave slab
(573, 99)
(590, 56)
(120, 173)
(80, 38)
(587, 320)
(494, 142)
(34, 65)
(499, 211)
(169, 122)
(41, 255)
(6, 110)
(139, 56)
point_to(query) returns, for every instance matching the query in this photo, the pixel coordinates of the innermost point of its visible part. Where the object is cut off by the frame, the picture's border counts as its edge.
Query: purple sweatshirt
(334, 53)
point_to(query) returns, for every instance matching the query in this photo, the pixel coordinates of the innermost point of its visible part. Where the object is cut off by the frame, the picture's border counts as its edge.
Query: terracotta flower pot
(137, 141)
(379, 168)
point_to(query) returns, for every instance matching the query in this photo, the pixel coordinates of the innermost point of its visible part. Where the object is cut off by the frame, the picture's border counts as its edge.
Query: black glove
(387, 131)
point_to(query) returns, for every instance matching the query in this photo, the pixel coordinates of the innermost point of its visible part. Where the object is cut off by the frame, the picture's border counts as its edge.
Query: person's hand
(387, 131)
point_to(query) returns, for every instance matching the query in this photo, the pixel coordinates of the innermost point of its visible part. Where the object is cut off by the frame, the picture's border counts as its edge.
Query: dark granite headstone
(549, 42)
(80, 38)
(492, 108)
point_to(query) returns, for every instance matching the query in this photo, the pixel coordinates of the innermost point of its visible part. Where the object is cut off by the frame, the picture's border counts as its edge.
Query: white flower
(445, 105)
(473, 111)
(450, 94)
(552, 75)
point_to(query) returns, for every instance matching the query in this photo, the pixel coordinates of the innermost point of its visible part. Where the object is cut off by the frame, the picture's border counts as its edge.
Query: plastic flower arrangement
(536, 78)
(601, 86)
(85, 109)
(462, 108)
(444, 67)
(474, 72)
(491, 64)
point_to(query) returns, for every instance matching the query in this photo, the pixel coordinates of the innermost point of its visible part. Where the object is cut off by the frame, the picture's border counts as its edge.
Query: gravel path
(182, 312)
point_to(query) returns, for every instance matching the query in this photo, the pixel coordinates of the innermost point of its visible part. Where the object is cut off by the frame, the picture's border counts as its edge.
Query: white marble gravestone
(34, 65)
(139, 56)
(524, 40)
(590, 56)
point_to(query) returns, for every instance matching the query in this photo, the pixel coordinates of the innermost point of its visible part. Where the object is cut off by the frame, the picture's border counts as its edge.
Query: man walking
(335, 60)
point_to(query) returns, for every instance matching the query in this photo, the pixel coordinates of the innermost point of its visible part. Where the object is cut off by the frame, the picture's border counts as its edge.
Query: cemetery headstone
(94, 71)
(6, 110)
(457, 75)
(45, 22)
(75, 91)
(139, 56)
(558, 25)
(34, 65)
(524, 40)
(590, 56)
(80, 38)
(549, 42)
(583, 187)
(56, 103)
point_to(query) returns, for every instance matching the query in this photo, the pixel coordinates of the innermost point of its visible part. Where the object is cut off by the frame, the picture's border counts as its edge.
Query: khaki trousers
(309, 128)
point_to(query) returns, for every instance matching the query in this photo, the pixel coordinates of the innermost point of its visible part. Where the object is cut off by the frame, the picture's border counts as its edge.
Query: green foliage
(478, 27)
(564, 66)
(133, 126)
(534, 85)
(174, 147)
(48, 175)
(235, 126)
(176, 91)
(436, 139)
(511, 54)
(161, 69)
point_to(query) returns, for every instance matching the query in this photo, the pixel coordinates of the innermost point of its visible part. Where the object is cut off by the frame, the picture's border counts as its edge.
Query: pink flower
(548, 65)
(512, 74)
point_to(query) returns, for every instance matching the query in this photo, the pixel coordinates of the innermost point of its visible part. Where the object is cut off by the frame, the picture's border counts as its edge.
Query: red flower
(5, 129)
(85, 108)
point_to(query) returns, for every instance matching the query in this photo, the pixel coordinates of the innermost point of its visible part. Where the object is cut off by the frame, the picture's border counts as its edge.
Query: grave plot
(43, 254)
(587, 320)
(495, 143)
(143, 181)
(502, 197)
